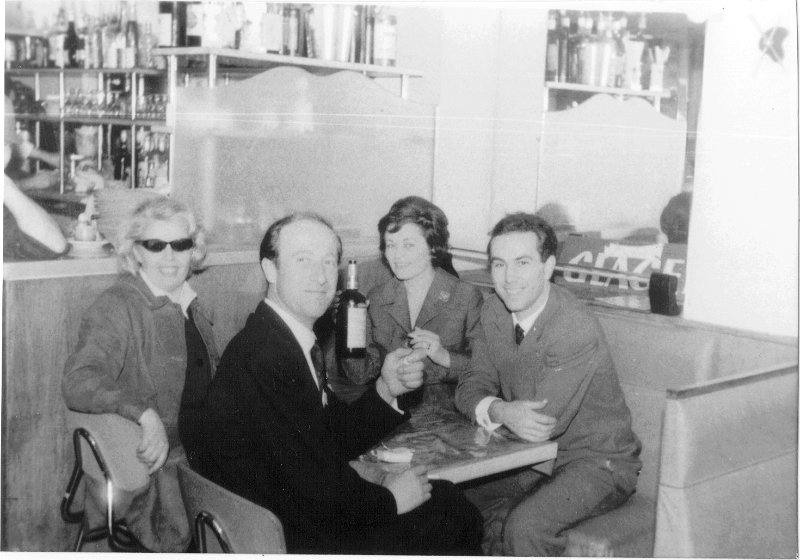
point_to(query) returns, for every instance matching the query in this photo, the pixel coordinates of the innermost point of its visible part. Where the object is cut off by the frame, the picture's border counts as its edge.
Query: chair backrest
(116, 440)
(247, 528)
(728, 484)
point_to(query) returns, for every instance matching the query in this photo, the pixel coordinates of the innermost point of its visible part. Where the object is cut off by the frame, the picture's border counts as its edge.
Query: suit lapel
(396, 304)
(281, 339)
(437, 299)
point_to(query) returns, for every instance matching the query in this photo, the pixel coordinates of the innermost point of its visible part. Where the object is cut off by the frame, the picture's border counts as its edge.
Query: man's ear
(270, 270)
(549, 266)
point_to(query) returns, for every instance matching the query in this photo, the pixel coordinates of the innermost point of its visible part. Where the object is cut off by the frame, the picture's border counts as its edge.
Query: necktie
(319, 364)
(519, 334)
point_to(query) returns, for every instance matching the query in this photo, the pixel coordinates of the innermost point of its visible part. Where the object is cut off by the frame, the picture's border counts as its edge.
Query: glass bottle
(351, 318)
(72, 43)
(384, 51)
(551, 56)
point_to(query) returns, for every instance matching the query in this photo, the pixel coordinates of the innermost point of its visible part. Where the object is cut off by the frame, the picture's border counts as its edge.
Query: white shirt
(482, 409)
(304, 336)
(184, 298)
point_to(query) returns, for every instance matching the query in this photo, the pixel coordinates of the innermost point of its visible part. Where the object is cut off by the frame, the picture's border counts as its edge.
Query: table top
(454, 449)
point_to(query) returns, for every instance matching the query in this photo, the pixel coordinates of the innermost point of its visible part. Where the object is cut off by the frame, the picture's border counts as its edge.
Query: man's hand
(410, 488)
(401, 372)
(522, 418)
(153, 448)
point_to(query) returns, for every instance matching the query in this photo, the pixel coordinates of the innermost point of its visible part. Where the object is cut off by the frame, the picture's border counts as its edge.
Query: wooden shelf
(566, 86)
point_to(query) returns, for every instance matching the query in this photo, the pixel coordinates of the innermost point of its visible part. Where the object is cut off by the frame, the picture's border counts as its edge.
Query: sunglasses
(156, 245)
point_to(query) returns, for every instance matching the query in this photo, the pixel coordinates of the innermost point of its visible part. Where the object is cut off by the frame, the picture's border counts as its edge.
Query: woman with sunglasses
(146, 352)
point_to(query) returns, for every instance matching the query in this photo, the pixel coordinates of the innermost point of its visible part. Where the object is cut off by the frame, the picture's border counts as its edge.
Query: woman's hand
(410, 488)
(420, 339)
(153, 448)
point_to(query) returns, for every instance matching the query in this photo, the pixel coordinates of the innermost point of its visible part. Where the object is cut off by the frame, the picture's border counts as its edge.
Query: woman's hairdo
(160, 209)
(430, 219)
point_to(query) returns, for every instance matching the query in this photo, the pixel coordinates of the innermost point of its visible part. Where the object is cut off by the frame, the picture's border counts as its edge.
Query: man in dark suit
(542, 368)
(279, 436)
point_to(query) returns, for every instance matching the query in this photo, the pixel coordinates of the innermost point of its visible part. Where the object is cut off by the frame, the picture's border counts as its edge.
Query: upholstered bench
(656, 359)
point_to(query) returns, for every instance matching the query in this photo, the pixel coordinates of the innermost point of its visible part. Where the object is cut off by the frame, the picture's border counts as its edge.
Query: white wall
(742, 254)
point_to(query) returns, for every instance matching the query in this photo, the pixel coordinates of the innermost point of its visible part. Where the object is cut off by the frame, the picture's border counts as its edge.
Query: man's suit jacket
(565, 359)
(451, 309)
(271, 440)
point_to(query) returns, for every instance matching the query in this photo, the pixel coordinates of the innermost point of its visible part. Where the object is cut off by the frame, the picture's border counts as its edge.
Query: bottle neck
(352, 277)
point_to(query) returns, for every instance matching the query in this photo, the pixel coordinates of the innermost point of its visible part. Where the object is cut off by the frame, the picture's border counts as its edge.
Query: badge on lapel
(444, 296)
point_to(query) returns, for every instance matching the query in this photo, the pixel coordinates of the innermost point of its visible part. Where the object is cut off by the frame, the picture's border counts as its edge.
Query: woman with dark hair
(146, 352)
(424, 306)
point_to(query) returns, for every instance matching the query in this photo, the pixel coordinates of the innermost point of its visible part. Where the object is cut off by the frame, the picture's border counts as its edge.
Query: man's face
(518, 273)
(303, 280)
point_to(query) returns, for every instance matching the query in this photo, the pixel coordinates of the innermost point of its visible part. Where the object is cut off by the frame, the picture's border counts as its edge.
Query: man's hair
(430, 219)
(269, 245)
(521, 222)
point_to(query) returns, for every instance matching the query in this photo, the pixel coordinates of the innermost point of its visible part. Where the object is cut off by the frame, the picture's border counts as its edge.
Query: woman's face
(168, 268)
(407, 252)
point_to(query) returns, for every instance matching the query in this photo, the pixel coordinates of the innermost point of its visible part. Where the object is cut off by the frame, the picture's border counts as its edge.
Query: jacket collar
(497, 317)
(439, 297)
(136, 283)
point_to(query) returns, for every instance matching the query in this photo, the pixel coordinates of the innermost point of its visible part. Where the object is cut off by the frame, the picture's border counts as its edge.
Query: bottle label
(357, 327)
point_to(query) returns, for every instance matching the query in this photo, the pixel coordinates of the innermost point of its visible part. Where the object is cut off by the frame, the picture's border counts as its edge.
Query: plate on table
(88, 249)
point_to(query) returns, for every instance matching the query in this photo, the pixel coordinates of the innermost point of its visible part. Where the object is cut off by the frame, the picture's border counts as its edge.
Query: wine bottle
(72, 44)
(351, 318)
(122, 159)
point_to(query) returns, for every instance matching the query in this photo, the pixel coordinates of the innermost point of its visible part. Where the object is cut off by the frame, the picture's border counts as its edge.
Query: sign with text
(603, 264)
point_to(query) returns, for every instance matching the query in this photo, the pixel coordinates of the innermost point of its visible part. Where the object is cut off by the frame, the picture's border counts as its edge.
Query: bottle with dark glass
(551, 57)
(122, 158)
(351, 318)
(72, 44)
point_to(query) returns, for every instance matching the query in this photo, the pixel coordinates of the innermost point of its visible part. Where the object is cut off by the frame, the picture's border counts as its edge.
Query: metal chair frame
(120, 538)
(205, 519)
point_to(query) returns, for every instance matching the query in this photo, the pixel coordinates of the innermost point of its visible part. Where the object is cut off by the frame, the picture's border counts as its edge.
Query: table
(454, 449)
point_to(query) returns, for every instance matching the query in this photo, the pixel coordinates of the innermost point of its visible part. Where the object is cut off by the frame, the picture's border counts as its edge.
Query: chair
(105, 450)
(239, 525)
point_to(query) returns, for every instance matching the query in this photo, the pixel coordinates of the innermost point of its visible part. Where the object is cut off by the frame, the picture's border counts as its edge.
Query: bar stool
(105, 450)
(239, 525)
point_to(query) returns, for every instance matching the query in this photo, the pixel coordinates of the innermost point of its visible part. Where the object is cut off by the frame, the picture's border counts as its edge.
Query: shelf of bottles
(229, 39)
(113, 48)
(602, 52)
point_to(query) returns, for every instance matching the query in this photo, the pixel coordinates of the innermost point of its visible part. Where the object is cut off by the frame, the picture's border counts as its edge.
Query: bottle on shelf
(351, 318)
(563, 47)
(551, 56)
(147, 42)
(291, 30)
(384, 50)
(72, 43)
(122, 158)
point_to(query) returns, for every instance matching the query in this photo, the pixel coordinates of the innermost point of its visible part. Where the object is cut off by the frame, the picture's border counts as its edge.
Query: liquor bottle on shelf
(384, 50)
(194, 24)
(551, 56)
(122, 158)
(563, 47)
(351, 318)
(131, 41)
(72, 43)
(291, 30)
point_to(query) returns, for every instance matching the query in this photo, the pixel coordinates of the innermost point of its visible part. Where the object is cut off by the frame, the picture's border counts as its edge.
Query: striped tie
(319, 364)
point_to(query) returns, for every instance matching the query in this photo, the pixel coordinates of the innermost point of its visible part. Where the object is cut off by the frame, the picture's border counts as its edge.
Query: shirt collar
(528, 322)
(184, 298)
(303, 334)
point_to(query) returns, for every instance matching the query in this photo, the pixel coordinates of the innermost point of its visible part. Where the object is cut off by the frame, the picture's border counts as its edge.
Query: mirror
(618, 142)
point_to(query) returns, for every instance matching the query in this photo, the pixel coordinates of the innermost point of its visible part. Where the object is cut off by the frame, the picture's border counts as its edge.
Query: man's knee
(531, 535)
